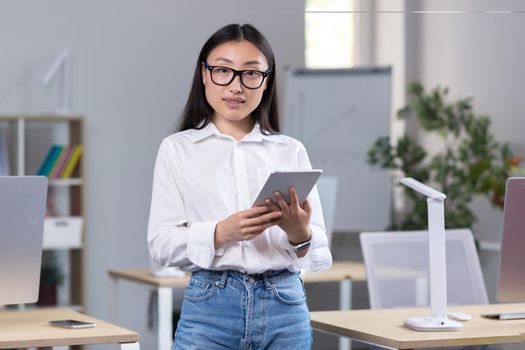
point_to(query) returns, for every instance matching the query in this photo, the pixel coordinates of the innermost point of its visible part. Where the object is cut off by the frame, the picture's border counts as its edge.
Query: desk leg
(165, 319)
(130, 346)
(345, 303)
(113, 299)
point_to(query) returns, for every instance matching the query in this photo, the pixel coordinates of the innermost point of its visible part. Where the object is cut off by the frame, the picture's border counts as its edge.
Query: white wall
(474, 53)
(132, 66)
(393, 46)
(480, 55)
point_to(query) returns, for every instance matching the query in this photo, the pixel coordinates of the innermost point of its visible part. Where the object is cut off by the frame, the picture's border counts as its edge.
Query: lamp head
(59, 61)
(423, 189)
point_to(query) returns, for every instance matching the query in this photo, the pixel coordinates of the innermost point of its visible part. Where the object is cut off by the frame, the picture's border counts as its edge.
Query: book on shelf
(49, 160)
(72, 162)
(60, 161)
(63, 159)
(56, 165)
(4, 155)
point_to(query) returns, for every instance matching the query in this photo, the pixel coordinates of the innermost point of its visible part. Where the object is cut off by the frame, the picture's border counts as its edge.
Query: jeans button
(252, 280)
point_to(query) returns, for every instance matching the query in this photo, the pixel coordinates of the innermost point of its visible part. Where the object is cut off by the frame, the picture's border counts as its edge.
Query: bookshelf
(26, 141)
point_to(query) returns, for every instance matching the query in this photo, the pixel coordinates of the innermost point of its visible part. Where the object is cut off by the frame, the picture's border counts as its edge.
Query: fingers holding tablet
(246, 224)
(281, 203)
(294, 200)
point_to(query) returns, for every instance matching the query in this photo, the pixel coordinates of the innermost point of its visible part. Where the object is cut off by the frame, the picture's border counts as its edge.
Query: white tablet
(280, 181)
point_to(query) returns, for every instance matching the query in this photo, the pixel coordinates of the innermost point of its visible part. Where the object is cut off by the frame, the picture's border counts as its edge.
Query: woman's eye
(252, 73)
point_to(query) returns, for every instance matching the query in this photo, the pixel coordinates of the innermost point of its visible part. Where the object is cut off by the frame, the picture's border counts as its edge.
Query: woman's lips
(233, 102)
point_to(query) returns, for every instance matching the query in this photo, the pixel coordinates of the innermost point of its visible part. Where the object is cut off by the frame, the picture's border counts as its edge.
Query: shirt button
(247, 243)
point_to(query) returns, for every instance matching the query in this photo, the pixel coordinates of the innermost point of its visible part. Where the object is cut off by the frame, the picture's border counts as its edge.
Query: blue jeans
(232, 310)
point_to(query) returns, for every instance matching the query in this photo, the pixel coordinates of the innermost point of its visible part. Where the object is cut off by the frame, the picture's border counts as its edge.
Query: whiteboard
(338, 114)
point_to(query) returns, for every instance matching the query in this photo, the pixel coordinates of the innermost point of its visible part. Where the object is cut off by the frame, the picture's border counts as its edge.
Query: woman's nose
(236, 84)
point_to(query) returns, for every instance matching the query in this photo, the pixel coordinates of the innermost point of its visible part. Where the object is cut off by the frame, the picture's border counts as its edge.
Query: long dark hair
(198, 110)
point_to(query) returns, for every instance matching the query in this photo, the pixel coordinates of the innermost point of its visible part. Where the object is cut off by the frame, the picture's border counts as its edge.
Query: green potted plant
(51, 277)
(470, 162)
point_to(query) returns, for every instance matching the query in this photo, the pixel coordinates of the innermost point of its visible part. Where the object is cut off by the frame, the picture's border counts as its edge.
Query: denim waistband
(240, 279)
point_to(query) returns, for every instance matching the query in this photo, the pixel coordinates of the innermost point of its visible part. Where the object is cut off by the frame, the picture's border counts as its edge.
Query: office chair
(327, 188)
(397, 269)
(397, 266)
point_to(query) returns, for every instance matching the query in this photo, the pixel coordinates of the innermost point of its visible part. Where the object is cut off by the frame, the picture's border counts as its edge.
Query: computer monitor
(22, 211)
(511, 281)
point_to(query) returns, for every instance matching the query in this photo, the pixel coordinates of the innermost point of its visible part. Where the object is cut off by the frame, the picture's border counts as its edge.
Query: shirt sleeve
(318, 257)
(172, 240)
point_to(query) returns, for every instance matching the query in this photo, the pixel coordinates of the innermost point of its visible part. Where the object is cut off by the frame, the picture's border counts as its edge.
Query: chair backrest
(327, 188)
(397, 267)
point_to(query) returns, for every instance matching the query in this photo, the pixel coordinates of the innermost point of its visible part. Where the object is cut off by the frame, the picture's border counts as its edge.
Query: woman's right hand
(245, 225)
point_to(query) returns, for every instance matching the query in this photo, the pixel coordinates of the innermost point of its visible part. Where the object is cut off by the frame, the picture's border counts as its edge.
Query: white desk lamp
(62, 61)
(438, 321)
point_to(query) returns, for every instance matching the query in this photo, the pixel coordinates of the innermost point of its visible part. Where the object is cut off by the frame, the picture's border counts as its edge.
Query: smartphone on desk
(505, 315)
(72, 324)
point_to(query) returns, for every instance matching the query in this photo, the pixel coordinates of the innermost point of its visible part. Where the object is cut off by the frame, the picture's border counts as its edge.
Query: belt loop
(267, 282)
(222, 282)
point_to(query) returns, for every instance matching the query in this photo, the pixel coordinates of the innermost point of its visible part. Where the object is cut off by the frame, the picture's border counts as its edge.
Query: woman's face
(234, 102)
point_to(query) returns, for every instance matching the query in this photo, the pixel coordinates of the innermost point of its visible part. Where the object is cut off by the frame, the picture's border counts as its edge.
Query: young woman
(245, 291)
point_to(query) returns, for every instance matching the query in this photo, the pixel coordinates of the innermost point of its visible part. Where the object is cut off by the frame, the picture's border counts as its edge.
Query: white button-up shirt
(204, 176)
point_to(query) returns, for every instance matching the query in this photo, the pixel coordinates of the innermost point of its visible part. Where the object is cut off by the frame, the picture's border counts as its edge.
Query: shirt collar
(255, 135)
(196, 135)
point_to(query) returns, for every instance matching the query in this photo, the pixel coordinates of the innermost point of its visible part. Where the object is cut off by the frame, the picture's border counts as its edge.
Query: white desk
(343, 272)
(21, 329)
(384, 327)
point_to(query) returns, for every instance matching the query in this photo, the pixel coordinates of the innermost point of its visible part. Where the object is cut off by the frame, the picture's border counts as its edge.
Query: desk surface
(20, 329)
(385, 327)
(341, 270)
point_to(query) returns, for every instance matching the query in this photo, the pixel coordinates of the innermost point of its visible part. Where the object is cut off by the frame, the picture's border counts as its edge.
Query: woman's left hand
(295, 219)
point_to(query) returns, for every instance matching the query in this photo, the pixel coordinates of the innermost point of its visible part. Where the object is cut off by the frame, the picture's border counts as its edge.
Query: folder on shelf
(50, 160)
(4, 155)
(73, 161)
(61, 163)
(58, 162)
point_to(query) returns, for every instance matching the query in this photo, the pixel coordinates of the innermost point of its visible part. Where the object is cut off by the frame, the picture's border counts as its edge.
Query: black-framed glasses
(251, 79)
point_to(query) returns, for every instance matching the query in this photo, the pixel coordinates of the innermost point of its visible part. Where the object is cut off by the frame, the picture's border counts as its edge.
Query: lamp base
(432, 324)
